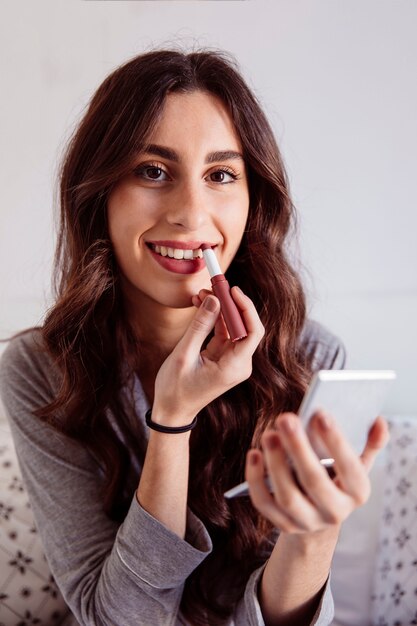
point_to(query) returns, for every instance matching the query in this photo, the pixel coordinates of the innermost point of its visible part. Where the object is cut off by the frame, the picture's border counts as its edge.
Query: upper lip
(181, 245)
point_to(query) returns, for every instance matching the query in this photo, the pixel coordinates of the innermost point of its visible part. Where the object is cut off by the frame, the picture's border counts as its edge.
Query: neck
(159, 329)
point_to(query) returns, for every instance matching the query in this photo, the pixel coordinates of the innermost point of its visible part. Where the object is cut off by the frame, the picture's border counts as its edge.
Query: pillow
(395, 584)
(28, 592)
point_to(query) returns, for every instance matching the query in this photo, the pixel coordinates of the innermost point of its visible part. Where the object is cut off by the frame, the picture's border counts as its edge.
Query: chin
(182, 300)
(178, 303)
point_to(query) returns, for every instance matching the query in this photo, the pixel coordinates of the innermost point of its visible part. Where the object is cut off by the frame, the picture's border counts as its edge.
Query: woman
(174, 152)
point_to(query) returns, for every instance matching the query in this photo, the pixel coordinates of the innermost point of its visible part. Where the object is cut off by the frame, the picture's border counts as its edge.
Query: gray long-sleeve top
(111, 574)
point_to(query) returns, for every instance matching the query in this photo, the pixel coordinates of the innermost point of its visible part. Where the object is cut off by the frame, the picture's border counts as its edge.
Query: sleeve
(321, 348)
(248, 611)
(131, 574)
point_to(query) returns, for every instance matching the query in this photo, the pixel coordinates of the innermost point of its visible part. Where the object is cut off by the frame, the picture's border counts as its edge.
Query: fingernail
(210, 304)
(253, 459)
(272, 442)
(239, 290)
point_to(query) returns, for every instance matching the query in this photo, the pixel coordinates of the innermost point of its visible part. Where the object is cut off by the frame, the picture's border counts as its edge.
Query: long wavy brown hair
(87, 334)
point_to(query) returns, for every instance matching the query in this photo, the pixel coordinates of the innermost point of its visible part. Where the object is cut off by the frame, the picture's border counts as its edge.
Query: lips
(177, 256)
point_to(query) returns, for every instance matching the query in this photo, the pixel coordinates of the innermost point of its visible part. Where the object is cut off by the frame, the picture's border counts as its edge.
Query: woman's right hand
(189, 378)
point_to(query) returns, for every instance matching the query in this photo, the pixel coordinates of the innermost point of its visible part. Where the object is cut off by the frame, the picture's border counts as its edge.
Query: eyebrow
(171, 155)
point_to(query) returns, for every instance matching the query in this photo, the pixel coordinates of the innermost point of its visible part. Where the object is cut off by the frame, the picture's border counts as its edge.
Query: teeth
(178, 253)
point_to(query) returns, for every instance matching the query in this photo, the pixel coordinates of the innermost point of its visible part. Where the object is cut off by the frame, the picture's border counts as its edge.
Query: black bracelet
(168, 429)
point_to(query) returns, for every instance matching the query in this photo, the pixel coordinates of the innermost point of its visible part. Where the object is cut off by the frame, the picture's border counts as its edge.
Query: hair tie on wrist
(168, 429)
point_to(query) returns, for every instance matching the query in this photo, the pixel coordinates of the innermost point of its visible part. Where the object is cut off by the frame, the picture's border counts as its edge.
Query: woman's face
(187, 187)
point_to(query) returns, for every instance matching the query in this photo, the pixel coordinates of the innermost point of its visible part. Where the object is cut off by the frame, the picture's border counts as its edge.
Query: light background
(338, 81)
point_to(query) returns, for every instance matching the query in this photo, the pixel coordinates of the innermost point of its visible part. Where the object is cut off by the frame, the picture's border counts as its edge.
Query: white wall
(338, 81)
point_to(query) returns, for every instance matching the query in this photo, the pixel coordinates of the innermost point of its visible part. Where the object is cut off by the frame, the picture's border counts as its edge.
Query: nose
(187, 209)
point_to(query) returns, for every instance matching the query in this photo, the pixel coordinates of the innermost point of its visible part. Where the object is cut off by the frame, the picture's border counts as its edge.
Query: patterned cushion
(28, 593)
(394, 597)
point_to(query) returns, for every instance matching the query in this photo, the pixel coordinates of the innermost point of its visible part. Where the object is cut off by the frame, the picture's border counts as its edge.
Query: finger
(203, 293)
(378, 437)
(197, 299)
(259, 493)
(351, 474)
(201, 325)
(287, 493)
(220, 328)
(253, 324)
(219, 343)
(234, 354)
(312, 476)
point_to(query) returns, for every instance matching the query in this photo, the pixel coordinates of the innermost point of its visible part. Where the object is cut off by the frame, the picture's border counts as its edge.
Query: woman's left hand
(310, 500)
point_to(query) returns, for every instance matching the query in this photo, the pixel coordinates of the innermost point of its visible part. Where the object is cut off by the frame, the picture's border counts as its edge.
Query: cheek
(236, 217)
(116, 215)
(128, 216)
(122, 228)
(233, 229)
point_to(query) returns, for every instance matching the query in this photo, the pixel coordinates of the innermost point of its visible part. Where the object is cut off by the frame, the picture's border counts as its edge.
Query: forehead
(195, 120)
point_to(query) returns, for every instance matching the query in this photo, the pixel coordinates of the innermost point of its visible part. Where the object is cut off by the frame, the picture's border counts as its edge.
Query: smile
(179, 257)
(177, 253)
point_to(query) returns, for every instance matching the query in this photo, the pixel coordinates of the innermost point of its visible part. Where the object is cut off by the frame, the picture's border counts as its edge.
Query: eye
(151, 172)
(223, 176)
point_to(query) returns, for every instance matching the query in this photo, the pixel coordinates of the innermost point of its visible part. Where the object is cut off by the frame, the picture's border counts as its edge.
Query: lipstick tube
(221, 290)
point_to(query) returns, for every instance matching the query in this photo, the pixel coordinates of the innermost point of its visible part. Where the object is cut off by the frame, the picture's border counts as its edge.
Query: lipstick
(221, 290)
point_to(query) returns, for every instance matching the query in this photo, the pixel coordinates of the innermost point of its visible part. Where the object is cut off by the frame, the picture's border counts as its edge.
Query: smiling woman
(196, 193)
(132, 409)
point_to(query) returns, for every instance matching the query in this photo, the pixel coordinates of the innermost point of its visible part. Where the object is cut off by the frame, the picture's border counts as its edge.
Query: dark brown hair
(87, 334)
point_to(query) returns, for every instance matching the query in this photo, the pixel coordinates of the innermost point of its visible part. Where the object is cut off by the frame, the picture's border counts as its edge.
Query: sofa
(374, 573)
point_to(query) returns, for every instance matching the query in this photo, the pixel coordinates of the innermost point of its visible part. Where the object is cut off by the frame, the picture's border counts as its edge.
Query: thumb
(201, 325)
